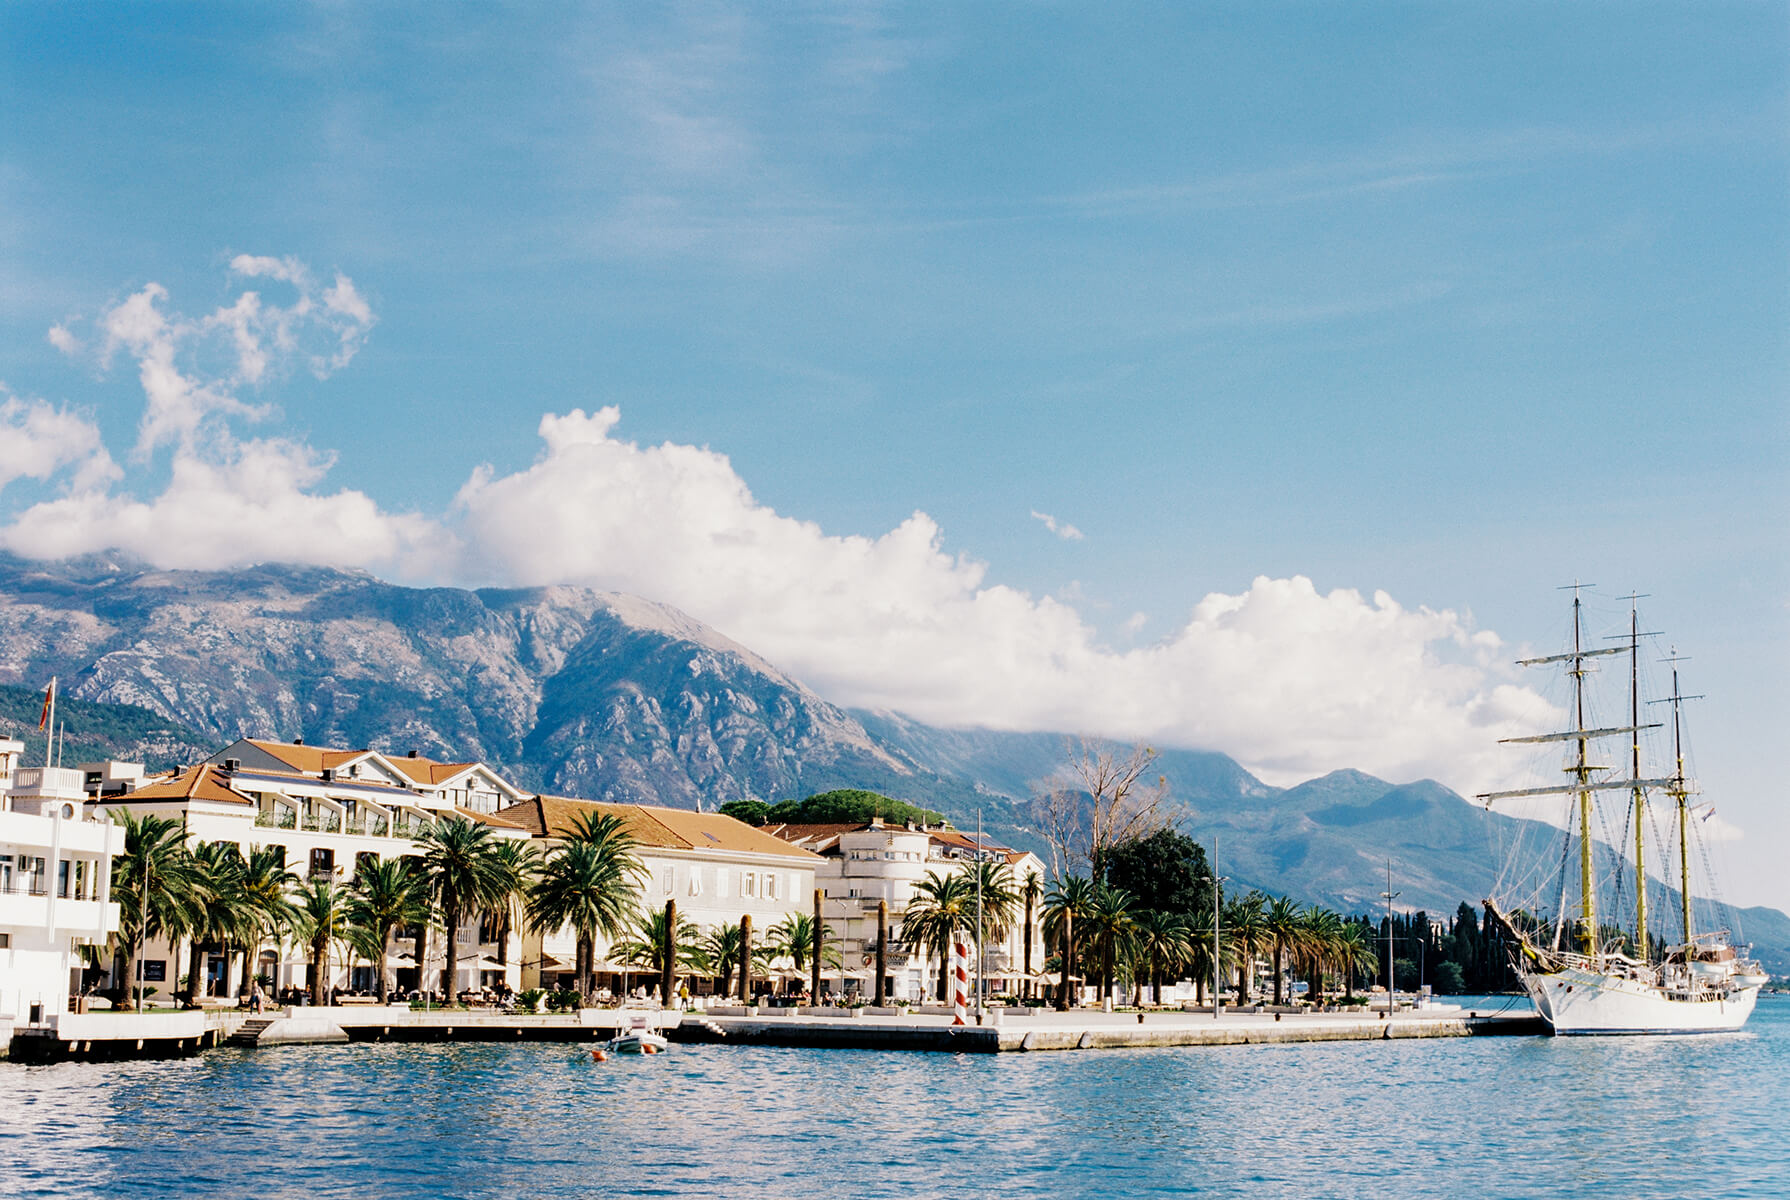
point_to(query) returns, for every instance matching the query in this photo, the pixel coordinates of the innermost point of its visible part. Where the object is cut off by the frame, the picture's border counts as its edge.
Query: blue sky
(1451, 303)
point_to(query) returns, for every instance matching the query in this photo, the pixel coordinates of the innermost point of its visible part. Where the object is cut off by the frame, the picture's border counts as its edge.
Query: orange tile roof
(203, 782)
(309, 759)
(652, 827)
(427, 770)
(490, 819)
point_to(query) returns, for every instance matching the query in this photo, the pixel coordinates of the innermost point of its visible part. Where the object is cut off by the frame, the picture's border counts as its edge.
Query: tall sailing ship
(1585, 975)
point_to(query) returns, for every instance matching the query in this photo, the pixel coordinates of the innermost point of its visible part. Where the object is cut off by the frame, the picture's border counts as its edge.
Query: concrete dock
(1040, 1029)
(98, 1036)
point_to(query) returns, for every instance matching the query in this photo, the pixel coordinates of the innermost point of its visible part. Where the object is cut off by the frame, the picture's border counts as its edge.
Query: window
(282, 853)
(363, 860)
(5, 941)
(153, 970)
(770, 886)
(323, 863)
(748, 884)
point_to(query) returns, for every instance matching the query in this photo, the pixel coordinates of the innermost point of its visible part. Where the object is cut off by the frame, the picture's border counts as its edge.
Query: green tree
(1281, 922)
(1111, 927)
(752, 812)
(849, 806)
(322, 916)
(1067, 906)
(221, 912)
(721, 947)
(387, 894)
(458, 862)
(590, 882)
(1166, 871)
(649, 942)
(941, 905)
(517, 863)
(1163, 940)
(1000, 897)
(1245, 933)
(793, 938)
(159, 887)
(266, 887)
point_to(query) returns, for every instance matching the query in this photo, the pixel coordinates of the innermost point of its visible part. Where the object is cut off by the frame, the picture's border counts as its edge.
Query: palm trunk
(1068, 936)
(1277, 999)
(195, 953)
(1026, 988)
(127, 963)
(584, 968)
(451, 967)
(319, 965)
(385, 952)
(422, 955)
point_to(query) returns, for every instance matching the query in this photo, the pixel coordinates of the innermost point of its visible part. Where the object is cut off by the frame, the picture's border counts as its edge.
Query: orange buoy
(650, 1048)
(598, 1056)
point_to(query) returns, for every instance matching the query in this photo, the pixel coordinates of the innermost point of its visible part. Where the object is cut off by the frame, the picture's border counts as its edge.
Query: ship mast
(1581, 770)
(1640, 797)
(1681, 794)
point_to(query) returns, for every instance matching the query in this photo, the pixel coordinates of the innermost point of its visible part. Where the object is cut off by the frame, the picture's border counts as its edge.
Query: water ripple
(1488, 1117)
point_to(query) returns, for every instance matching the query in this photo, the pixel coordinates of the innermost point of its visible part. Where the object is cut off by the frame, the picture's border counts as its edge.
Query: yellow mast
(1582, 770)
(1634, 719)
(1681, 793)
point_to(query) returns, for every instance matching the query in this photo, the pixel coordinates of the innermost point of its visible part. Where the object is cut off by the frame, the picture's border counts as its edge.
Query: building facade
(55, 887)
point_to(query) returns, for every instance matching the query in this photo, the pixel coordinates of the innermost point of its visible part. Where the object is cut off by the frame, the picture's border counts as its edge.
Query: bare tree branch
(1101, 799)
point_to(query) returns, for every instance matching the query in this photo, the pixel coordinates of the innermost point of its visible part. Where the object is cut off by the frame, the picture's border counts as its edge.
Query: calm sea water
(1473, 1117)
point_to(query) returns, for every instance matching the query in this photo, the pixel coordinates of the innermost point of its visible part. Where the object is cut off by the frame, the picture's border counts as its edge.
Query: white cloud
(39, 440)
(63, 340)
(226, 500)
(1290, 680)
(1064, 530)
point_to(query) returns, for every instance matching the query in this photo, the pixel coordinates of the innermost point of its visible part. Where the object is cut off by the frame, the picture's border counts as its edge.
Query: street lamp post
(1217, 895)
(1391, 964)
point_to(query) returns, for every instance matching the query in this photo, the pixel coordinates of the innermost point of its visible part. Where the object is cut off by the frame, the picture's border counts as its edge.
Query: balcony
(281, 818)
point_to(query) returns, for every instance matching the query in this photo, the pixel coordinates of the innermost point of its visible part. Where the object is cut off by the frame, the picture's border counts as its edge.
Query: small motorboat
(638, 1039)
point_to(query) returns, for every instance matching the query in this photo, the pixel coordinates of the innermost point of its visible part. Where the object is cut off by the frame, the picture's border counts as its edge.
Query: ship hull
(1577, 1002)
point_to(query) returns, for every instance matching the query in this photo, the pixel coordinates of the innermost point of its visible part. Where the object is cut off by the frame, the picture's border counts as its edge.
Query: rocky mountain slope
(610, 696)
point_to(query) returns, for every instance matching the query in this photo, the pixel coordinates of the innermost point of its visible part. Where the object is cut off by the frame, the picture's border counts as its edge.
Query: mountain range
(610, 696)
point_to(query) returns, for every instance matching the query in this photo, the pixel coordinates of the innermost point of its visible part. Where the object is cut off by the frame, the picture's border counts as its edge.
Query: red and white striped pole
(960, 981)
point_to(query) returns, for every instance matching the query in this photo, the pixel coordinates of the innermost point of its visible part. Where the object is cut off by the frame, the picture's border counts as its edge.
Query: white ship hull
(1577, 1001)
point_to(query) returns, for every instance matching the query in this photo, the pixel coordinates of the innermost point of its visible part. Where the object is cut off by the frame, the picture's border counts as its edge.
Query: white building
(55, 887)
(327, 810)
(864, 863)
(716, 868)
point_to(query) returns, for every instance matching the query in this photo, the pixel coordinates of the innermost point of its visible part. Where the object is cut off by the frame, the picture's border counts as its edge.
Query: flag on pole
(43, 720)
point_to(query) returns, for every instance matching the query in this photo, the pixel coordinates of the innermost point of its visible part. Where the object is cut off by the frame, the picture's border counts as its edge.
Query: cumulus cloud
(1292, 680)
(1066, 531)
(226, 500)
(39, 440)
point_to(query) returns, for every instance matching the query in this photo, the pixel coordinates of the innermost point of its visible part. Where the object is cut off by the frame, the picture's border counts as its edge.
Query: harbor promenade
(154, 1035)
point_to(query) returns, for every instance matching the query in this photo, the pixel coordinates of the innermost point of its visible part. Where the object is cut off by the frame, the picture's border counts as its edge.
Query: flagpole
(49, 721)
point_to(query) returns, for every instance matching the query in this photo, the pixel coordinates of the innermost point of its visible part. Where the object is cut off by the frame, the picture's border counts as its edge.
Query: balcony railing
(282, 818)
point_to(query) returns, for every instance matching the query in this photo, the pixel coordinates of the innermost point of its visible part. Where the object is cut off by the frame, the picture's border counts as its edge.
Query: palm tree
(462, 873)
(387, 894)
(1246, 931)
(591, 883)
(1031, 891)
(266, 885)
(219, 913)
(1162, 939)
(1282, 922)
(793, 938)
(517, 862)
(1109, 921)
(941, 905)
(322, 917)
(159, 888)
(649, 946)
(1355, 949)
(1066, 906)
(721, 946)
(1319, 943)
(1000, 900)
